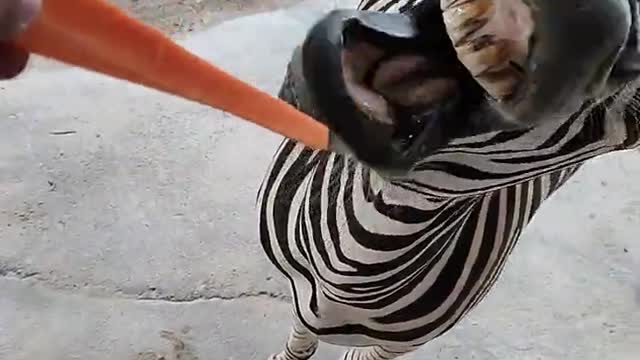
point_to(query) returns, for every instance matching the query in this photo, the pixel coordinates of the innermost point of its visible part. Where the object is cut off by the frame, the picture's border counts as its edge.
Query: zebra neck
(384, 207)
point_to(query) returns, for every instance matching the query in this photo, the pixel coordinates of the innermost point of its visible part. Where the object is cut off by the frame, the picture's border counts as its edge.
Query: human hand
(15, 15)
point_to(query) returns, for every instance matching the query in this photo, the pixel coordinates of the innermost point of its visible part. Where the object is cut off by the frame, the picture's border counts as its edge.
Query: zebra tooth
(501, 81)
(484, 53)
(491, 38)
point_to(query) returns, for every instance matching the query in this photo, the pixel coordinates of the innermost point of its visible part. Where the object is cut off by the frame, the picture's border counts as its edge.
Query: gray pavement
(133, 235)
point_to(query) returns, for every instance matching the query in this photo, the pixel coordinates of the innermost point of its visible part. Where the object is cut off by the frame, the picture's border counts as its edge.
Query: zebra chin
(396, 87)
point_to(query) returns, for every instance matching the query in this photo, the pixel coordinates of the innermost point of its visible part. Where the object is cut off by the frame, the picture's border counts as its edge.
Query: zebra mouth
(411, 84)
(387, 89)
(408, 73)
(401, 89)
(406, 84)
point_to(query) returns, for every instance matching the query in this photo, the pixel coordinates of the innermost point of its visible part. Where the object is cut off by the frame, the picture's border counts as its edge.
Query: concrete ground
(177, 17)
(127, 228)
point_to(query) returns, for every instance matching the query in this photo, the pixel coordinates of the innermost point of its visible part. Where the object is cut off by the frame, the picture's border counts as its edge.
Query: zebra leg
(301, 345)
(378, 352)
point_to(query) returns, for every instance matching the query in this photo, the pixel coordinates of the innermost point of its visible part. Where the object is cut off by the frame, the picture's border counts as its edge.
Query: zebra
(383, 256)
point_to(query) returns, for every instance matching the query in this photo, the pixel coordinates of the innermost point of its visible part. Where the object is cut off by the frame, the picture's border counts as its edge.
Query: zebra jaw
(385, 90)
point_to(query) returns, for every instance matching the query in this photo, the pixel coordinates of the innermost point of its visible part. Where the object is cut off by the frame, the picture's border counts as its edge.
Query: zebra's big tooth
(491, 39)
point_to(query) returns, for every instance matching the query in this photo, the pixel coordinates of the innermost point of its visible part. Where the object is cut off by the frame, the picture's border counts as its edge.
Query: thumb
(12, 60)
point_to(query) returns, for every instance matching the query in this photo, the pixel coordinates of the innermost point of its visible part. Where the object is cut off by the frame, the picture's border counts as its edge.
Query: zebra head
(397, 87)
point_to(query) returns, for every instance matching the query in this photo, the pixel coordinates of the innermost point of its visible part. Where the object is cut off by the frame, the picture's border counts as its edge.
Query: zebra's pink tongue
(491, 39)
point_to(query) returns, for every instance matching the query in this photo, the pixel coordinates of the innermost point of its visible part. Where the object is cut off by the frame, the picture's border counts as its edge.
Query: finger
(12, 60)
(15, 15)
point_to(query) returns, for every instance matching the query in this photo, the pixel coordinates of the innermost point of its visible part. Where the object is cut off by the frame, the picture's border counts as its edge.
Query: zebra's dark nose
(541, 59)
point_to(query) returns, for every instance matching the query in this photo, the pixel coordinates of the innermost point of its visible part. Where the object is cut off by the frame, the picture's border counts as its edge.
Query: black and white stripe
(388, 266)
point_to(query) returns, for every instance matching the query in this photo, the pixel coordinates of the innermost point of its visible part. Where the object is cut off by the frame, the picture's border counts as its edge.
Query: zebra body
(384, 266)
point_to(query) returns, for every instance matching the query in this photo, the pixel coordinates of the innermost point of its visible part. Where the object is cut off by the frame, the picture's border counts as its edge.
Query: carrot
(98, 36)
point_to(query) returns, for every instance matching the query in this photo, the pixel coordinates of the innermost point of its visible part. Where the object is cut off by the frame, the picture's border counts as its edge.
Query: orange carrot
(98, 36)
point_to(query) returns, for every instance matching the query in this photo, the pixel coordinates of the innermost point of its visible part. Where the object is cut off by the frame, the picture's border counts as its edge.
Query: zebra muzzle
(538, 59)
(394, 88)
